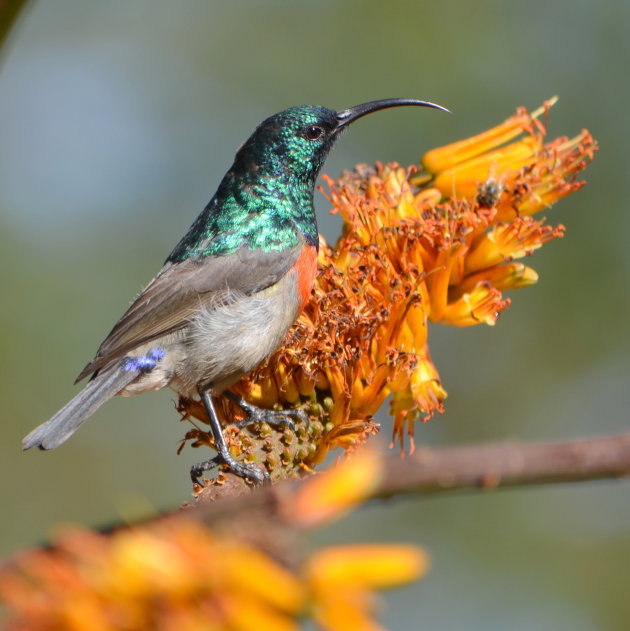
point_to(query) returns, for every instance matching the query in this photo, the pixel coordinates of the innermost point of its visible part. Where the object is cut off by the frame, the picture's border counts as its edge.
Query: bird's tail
(62, 425)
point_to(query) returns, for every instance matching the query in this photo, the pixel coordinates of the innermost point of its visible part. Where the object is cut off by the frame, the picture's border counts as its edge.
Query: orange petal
(482, 304)
(501, 277)
(286, 383)
(501, 165)
(367, 566)
(248, 614)
(341, 612)
(509, 241)
(337, 490)
(447, 157)
(426, 388)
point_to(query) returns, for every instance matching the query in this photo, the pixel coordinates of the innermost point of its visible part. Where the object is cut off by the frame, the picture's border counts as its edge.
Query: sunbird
(230, 290)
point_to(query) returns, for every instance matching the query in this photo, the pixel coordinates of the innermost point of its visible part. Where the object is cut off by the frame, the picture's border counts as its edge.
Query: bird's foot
(252, 473)
(256, 475)
(275, 418)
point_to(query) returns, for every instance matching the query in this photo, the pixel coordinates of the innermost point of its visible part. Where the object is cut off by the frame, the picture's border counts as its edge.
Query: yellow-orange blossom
(438, 243)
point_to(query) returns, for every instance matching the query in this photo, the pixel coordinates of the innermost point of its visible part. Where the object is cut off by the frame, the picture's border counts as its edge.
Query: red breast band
(306, 268)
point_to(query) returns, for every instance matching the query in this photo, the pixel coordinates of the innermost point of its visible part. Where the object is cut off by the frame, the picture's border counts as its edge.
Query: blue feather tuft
(144, 363)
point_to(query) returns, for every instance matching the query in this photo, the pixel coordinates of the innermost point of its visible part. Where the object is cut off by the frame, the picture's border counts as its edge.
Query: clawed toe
(301, 416)
(256, 475)
(197, 470)
(275, 418)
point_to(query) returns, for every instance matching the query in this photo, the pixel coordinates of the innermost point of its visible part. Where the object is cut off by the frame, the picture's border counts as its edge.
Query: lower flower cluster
(177, 574)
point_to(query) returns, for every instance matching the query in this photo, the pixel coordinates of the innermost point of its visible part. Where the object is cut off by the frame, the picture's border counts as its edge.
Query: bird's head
(296, 141)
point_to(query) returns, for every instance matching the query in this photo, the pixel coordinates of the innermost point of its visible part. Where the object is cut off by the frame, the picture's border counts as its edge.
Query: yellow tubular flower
(438, 244)
(509, 241)
(464, 179)
(367, 566)
(342, 580)
(501, 277)
(444, 158)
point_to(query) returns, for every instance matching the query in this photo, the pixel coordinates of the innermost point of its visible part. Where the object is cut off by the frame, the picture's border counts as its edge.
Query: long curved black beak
(345, 117)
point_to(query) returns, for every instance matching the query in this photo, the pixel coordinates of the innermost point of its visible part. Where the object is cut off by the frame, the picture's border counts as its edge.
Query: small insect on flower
(489, 193)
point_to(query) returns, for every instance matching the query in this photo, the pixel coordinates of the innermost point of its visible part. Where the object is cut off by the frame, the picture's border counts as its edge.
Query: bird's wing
(171, 299)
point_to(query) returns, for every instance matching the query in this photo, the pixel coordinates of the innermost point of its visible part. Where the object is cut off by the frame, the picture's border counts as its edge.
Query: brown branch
(506, 464)
(434, 471)
(266, 517)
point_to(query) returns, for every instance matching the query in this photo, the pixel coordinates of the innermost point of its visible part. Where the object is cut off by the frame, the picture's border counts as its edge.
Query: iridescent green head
(295, 142)
(266, 199)
(291, 144)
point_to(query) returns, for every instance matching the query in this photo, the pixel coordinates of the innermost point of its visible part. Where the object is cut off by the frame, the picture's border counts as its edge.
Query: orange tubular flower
(437, 244)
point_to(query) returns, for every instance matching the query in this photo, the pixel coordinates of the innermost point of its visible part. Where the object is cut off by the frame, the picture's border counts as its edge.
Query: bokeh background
(117, 121)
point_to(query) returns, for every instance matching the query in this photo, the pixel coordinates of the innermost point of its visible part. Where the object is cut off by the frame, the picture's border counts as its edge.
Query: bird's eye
(314, 132)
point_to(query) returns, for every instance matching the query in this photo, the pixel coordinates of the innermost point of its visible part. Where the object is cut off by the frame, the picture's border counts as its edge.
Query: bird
(230, 290)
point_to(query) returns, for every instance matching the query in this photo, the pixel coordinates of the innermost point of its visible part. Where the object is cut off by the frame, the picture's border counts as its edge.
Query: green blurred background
(117, 121)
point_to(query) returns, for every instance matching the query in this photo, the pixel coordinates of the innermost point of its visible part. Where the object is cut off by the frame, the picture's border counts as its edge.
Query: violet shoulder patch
(144, 363)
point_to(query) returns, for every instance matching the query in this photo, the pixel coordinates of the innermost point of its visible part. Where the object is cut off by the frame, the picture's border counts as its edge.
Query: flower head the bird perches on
(436, 243)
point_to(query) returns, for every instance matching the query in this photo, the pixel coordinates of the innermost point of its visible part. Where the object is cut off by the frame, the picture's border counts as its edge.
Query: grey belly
(227, 338)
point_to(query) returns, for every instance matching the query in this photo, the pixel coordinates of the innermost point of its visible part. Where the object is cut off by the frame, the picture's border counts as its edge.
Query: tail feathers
(62, 425)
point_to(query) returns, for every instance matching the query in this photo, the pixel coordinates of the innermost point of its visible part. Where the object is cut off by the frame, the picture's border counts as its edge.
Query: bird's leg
(253, 473)
(275, 418)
